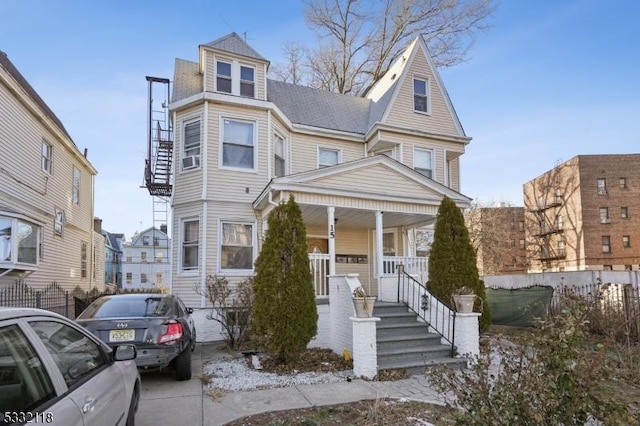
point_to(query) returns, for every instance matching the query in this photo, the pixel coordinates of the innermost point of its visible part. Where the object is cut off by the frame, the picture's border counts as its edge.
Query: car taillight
(172, 333)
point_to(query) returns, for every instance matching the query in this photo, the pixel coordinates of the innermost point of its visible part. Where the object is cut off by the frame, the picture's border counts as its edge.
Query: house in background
(584, 214)
(498, 235)
(47, 230)
(146, 260)
(113, 248)
(366, 172)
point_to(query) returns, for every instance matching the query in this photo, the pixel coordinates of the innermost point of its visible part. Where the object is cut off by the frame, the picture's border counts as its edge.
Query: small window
(47, 157)
(129, 259)
(143, 257)
(623, 183)
(522, 244)
(223, 77)
(238, 144)
(626, 241)
(604, 215)
(247, 82)
(159, 279)
(561, 248)
(421, 95)
(75, 190)
(156, 241)
(521, 226)
(191, 148)
(279, 155)
(145, 240)
(190, 242)
(423, 162)
(159, 257)
(328, 157)
(143, 278)
(559, 222)
(607, 267)
(606, 244)
(602, 186)
(129, 277)
(389, 244)
(58, 222)
(628, 268)
(83, 260)
(624, 212)
(236, 249)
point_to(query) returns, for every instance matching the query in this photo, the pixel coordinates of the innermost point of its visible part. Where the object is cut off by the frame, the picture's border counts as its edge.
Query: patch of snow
(236, 375)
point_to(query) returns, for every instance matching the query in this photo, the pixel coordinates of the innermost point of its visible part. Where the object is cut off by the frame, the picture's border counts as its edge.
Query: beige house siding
(366, 204)
(402, 113)
(36, 194)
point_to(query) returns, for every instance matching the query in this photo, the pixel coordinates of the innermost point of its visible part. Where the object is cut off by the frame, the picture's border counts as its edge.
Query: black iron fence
(56, 298)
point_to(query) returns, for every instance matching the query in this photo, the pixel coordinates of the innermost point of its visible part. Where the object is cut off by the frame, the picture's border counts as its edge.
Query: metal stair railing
(438, 316)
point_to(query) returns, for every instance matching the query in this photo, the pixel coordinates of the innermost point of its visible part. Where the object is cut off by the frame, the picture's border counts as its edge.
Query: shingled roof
(30, 91)
(233, 43)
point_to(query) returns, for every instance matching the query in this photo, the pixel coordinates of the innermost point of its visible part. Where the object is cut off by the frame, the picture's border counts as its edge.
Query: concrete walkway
(165, 401)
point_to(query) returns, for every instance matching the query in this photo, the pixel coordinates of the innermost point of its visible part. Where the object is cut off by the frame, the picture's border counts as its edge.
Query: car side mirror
(189, 311)
(124, 352)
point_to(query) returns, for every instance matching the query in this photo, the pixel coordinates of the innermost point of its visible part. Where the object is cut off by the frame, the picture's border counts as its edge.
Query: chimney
(163, 228)
(97, 224)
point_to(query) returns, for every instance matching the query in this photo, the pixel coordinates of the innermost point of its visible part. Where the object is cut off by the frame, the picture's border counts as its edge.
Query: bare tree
(359, 40)
(293, 70)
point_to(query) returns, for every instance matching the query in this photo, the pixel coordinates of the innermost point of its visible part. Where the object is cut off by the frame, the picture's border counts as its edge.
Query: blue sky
(550, 80)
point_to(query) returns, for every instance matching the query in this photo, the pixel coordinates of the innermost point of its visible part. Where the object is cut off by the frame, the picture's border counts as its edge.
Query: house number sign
(332, 232)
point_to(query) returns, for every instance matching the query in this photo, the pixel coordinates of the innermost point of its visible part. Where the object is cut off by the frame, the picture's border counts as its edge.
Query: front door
(319, 264)
(317, 245)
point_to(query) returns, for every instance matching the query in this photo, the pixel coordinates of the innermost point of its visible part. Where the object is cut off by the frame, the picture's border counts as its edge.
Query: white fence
(319, 265)
(418, 267)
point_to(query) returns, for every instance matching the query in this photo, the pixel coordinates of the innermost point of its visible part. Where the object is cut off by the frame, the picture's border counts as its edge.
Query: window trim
(229, 77)
(328, 148)
(432, 170)
(76, 178)
(285, 154)
(254, 145)
(181, 268)
(46, 161)
(183, 151)
(426, 95)
(254, 239)
(251, 82)
(14, 262)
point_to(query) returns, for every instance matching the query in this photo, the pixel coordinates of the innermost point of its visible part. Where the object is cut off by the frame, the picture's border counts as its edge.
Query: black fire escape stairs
(159, 161)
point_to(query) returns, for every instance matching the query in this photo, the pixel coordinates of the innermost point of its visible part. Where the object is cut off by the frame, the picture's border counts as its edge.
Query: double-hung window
(606, 244)
(83, 260)
(247, 82)
(604, 215)
(328, 157)
(19, 242)
(279, 155)
(602, 186)
(421, 95)
(238, 144)
(75, 189)
(236, 248)
(47, 157)
(191, 145)
(423, 162)
(190, 243)
(223, 77)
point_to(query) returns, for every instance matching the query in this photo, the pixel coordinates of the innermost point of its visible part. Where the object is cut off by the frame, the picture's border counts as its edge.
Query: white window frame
(76, 178)
(47, 157)
(230, 271)
(189, 152)
(224, 142)
(326, 148)
(128, 276)
(223, 76)
(432, 169)
(252, 83)
(183, 244)
(9, 244)
(426, 95)
(601, 184)
(285, 154)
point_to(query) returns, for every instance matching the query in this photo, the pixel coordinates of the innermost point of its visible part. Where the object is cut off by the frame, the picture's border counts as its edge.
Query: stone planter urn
(362, 303)
(463, 299)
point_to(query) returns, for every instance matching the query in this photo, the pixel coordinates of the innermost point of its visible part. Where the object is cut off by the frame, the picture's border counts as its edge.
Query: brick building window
(602, 186)
(624, 212)
(606, 244)
(604, 215)
(607, 267)
(626, 241)
(623, 183)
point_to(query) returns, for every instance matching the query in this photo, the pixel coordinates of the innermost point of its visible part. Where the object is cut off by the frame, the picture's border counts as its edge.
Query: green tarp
(517, 307)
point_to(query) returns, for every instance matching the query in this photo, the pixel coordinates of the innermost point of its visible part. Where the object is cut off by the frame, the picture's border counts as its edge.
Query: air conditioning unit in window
(190, 162)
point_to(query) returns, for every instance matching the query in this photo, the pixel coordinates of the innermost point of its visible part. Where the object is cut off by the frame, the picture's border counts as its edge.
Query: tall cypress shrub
(284, 308)
(452, 262)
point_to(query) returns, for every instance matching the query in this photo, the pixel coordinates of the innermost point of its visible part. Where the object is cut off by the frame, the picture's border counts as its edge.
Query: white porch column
(379, 250)
(331, 226)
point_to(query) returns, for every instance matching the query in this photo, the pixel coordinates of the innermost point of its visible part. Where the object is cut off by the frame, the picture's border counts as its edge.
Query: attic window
(247, 82)
(420, 95)
(223, 77)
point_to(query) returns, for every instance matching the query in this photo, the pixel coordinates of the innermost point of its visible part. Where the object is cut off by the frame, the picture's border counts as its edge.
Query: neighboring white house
(145, 262)
(47, 230)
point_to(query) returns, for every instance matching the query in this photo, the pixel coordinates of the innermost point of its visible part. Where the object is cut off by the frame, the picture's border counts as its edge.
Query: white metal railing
(319, 265)
(418, 267)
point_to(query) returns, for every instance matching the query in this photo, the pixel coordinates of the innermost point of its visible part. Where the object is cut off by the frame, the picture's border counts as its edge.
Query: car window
(183, 308)
(122, 307)
(24, 382)
(77, 356)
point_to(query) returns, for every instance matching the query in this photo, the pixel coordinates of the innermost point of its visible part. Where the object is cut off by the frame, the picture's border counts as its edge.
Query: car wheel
(183, 365)
(133, 407)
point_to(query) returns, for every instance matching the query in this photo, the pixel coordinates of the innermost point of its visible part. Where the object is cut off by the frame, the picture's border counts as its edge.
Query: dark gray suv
(159, 325)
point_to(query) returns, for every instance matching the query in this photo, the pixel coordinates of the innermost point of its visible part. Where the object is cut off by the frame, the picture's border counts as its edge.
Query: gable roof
(233, 43)
(30, 91)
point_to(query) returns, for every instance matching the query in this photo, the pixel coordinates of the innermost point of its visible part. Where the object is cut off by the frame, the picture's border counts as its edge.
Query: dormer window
(223, 79)
(423, 162)
(421, 95)
(247, 82)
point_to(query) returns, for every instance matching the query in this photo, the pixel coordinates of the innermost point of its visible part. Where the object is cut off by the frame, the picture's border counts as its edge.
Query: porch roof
(377, 183)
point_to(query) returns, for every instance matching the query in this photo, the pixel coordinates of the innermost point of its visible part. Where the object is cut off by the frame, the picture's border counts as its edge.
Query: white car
(53, 371)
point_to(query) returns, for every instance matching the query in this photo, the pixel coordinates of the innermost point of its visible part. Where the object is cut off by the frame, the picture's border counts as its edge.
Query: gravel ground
(237, 375)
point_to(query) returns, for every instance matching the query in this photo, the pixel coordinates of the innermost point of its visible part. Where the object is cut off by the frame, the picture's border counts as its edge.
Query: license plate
(121, 335)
